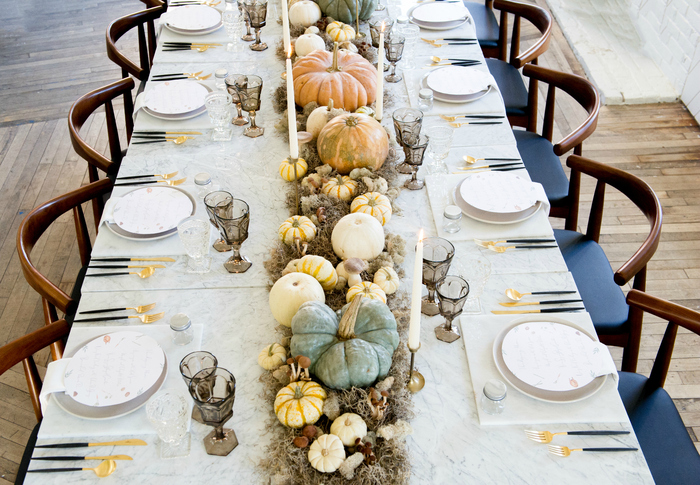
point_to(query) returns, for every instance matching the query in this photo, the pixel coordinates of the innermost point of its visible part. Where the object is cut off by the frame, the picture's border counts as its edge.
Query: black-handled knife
(173, 78)
(596, 432)
(119, 273)
(101, 319)
(128, 442)
(540, 310)
(76, 458)
(141, 182)
(542, 302)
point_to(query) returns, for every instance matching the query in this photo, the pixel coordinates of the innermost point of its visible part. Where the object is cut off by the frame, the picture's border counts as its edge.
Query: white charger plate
(448, 25)
(438, 12)
(195, 32)
(454, 99)
(458, 81)
(193, 18)
(176, 99)
(498, 193)
(574, 395)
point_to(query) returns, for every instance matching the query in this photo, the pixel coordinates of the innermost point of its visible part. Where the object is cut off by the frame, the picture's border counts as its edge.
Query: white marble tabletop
(448, 445)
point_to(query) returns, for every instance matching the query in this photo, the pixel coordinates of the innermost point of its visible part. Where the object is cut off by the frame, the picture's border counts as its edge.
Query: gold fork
(546, 436)
(139, 309)
(201, 78)
(172, 183)
(486, 244)
(503, 249)
(566, 451)
(153, 317)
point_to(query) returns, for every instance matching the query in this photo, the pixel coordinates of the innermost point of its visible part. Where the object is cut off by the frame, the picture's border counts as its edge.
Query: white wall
(671, 30)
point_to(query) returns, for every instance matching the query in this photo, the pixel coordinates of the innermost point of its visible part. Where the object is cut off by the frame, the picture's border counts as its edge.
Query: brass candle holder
(294, 162)
(416, 381)
(358, 34)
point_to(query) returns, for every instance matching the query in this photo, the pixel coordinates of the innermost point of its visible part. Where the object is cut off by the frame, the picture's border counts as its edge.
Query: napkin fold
(53, 381)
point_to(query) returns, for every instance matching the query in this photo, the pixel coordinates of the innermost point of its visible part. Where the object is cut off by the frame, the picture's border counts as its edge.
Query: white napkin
(53, 381)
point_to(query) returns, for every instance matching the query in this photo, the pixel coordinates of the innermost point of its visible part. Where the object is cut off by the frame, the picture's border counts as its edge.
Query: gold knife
(165, 259)
(74, 458)
(131, 442)
(543, 302)
(541, 310)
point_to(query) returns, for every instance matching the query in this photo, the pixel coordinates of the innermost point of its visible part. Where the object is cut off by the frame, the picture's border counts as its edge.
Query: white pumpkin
(318, 118)
(312, 30)
(327, 453)
(272, 356)
(289, 292)
(358, 235)
(348, 428)
(304, 13)
(387, 279)
(307, 43)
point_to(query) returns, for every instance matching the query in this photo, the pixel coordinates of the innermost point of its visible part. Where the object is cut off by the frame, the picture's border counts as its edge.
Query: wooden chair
(615, 322)
(520, 101)
(30, 230)
(668, 449)
(88, 104)
(541, 157)
(22, 350)
(487, 31)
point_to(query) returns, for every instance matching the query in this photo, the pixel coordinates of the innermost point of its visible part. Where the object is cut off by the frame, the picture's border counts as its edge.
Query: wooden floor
(53, 52)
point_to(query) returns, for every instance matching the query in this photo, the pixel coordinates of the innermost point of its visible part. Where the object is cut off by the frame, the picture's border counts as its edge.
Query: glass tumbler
(194, 234)
(439, 148)
(233, 23)
(219, 108)
(476, 270)
(169, 414)
(411, 33)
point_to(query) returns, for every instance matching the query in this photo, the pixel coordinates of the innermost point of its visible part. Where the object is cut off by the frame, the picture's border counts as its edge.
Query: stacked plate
(176, 100)
(497, 198)
(458, 84)
(438, 15)
(149, 213)
(193, 20)
(112, 375)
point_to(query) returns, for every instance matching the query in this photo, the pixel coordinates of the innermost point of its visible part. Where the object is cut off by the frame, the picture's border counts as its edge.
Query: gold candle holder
(416, 381)
(294, 162)
(358, 34)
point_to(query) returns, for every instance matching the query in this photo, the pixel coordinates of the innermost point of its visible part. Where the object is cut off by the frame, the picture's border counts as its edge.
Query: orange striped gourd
(300, 403)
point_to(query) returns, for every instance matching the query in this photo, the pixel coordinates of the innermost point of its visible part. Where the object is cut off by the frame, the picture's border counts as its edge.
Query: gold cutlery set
(153, 317)
(165, 179)
(147, 271)
(176, 137)
(546, 437)
(516, 296)
(534, 243)
(186, 46)
(104, 469)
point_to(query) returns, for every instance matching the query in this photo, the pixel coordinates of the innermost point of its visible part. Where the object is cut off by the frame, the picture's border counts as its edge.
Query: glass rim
(211, 371)
(216, 192)
(247, 212)
(452, 298)
(182, 362)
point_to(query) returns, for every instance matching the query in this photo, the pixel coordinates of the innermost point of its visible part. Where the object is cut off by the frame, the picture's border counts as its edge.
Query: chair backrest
(534, 14)
(22, 350)
(144, 22)
(638, 192)
(155, 3)
(84, 107)
(676, 315)
(36, 223)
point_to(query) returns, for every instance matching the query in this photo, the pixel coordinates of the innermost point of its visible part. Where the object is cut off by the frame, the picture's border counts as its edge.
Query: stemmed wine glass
(407, 122)
(233, 226)
(230, 81)
(437, 257)
(218, 106)
(393, 47)
(190, 365)
(249, 89)
(233, 23)
(257, 14)
(248, 36)
(414, 148)
(222, 200)
(452, 293)
(194, 234)
(214, 391)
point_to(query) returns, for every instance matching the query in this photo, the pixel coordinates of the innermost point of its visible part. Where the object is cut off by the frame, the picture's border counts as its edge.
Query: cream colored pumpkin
(318, 119)
(358, 235)
(320, 268)
(300, 403)
(272, 356)
(304, 13)
(287, 169)
(340, 32)
(348, 428)
(341, 187)
(368, 290)
(387, 279)
(290, 292)
(374, 204)
(327, 453)
(307, 43)
(297, 226)
(310, 30)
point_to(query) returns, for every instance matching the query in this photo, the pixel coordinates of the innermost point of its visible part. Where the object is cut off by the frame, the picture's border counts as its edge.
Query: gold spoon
(172, 183)
(104, 469)
(201, 78)
(179, 140)
(516, 295)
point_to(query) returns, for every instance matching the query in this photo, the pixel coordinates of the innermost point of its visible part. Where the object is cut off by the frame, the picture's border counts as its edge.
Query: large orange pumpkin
(352, 86)
(353, 140)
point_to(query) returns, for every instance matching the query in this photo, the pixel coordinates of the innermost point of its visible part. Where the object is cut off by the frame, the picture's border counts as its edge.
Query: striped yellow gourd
(320, 268)
(297, 226)
(287, 169)
(375, 204)
(368, 290)
(300, 403)
(340, 32)
(341, 187)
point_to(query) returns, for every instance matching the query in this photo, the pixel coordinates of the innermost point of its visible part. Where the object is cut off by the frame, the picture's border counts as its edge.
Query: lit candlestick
(414, 326)
(291, 110)
(285, 28)
(380, 78)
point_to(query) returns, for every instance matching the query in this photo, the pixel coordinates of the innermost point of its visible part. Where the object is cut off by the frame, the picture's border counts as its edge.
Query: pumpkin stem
(330, 104)
(269, 350)
(335, 67)
(351, 121)
(346, 327)
(298, 394)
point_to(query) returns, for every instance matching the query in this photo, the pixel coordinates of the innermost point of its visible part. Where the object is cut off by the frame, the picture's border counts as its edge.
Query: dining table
(453, 441)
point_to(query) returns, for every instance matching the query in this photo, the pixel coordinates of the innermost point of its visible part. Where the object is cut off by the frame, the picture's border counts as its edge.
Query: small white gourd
(327, 453)
(387, 279)
(348, 428)
(307, 43)
(272, 356)
(305, 13)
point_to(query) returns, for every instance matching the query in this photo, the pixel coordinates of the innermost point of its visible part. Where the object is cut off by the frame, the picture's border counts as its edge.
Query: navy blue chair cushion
(27, 456)
(668, 449)
(543, 165)
(512, 86)
(486, 23)
(591, 270)
(76, 293)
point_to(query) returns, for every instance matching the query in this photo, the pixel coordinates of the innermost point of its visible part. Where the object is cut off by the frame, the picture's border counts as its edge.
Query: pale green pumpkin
(344, 10)
(352, 348)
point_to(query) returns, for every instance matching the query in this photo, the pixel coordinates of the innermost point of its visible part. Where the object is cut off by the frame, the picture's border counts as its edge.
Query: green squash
(352, 348)
(344, 10)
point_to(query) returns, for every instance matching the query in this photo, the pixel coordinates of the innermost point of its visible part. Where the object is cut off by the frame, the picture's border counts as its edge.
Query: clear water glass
(476, 270)
(219, 108)
(411, 32)
(234, 24)
(168, 412)
(440, 141)
(194, 234)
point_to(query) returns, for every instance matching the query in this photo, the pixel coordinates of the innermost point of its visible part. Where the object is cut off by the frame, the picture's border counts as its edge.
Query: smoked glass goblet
(407, 121)
(393, 47)
(249, 89)
(437, 257)
(190, 365)
(248, 36)
(452, 293)
(414, 148)
(230, 81)
(213, 391)
(233, 226)
(223, 201)
(257, 15)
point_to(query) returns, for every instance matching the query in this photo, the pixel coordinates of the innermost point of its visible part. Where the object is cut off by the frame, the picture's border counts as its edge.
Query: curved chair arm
(671, 312)
(539, 17)
(643, 196)
(24, 347)
(121, 26)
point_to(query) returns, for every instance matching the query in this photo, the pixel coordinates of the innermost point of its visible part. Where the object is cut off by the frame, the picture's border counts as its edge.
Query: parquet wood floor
(53, 52)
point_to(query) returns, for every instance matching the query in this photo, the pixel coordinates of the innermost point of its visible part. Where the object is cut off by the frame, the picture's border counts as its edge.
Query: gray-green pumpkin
(344, 10)
(352, 348)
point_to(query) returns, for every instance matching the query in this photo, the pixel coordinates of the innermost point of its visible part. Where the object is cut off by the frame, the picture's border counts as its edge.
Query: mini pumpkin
(307, 43)
(341, 187)
(358, 235)
(348, 428)
(305, 13)
(297, 226)
(287, 169)
(318, 119)
(320, 268)
(351, 141)
(387, 279)
(365, 110)
(290, 292)
(300, 403)
(340, 32)
(272, 356)
(374, 204)
(327, 453)
(368, 290)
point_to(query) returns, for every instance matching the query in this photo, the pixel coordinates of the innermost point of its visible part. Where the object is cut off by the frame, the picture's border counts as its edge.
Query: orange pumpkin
(352, 86)
(351, 141)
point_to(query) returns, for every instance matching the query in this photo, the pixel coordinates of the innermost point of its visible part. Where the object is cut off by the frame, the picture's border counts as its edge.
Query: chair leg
(630, 356)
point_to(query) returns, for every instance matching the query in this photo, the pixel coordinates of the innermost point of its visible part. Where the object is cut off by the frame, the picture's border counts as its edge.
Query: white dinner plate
(193, 18)
(195, 32)
(176, 99)
(577, 394)
(445, 98)
(499, 192)
(458, 81)
(439, 12)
